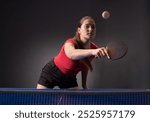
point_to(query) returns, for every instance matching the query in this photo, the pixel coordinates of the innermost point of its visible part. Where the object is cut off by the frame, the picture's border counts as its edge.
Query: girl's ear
(79, 30)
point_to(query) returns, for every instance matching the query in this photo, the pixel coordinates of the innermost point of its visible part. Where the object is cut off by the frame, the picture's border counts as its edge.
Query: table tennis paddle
(116, 49)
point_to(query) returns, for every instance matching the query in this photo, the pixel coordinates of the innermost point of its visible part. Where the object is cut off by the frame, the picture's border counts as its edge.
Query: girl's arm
(84, 75)
(77, 54)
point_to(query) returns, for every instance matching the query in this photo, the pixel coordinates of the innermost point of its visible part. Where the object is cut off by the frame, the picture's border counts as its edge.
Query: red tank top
(68, 66)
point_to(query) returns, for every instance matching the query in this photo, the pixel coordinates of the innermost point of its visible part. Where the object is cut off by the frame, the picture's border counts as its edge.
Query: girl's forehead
(89, 21)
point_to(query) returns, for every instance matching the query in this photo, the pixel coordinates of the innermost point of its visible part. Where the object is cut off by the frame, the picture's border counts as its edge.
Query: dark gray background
(33, 31)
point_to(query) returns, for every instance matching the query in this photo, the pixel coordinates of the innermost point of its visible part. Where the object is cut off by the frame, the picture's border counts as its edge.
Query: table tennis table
(31, 96)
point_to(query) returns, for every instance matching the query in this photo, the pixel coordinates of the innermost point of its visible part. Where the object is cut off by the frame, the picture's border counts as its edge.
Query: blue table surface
(72, 90)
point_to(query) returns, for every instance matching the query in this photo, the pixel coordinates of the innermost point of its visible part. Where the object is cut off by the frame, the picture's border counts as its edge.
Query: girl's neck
(85, 42)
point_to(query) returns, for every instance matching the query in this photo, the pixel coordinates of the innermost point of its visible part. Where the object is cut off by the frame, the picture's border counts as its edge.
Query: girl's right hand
(100, 52)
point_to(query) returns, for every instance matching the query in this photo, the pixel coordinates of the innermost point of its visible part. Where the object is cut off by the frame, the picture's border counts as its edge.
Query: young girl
(75, 55)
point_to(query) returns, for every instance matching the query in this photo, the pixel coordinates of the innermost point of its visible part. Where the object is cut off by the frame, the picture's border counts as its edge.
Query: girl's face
(87, 31)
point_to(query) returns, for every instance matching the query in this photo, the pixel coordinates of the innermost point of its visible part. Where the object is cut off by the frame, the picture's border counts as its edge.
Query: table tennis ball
(105, 14)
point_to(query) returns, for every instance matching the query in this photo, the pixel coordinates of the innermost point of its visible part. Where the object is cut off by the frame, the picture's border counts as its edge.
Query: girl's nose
(90, 28)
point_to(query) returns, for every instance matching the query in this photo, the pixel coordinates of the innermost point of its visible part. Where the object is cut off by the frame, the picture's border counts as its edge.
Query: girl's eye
(93, 26)
(88, 26)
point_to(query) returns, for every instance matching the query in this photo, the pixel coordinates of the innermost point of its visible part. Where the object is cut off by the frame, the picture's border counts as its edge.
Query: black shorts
(51, 76)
